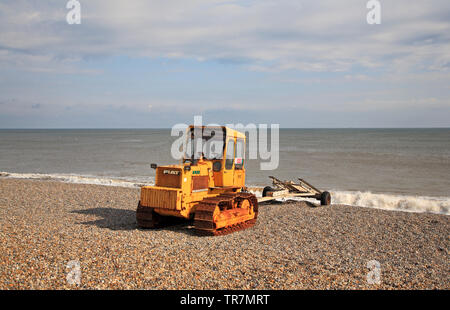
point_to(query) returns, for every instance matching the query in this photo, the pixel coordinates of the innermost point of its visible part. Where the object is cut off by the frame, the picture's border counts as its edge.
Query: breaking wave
(393, 202)
(82, 179)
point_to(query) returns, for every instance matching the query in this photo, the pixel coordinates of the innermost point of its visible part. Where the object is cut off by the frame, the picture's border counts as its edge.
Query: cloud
(257, 58)
(267, 35)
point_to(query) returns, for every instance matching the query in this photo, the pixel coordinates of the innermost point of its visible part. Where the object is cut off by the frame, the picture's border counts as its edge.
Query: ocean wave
(407, 203)
(440, 205)
(82, 179)
(131, 141)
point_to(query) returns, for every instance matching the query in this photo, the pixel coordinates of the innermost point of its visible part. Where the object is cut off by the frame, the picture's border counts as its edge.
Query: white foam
(81, 179)
(407, 203)
(440, 205)
(392, 202)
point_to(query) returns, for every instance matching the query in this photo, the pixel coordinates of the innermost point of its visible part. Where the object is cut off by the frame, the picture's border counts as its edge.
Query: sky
(153, 64)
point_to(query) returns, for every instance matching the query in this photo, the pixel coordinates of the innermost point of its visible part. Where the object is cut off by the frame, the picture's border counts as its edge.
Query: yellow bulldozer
(209, 186)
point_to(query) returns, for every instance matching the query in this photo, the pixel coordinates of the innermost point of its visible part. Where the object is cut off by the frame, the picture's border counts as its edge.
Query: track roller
(226, 213)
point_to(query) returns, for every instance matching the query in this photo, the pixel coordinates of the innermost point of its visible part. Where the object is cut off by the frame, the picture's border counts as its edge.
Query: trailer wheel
(325, 199)
(267, 189)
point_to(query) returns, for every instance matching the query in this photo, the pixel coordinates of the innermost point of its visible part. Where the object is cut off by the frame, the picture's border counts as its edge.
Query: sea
(392, 169)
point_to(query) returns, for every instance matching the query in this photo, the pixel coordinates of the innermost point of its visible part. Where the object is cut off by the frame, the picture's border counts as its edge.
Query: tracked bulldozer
(208, 186)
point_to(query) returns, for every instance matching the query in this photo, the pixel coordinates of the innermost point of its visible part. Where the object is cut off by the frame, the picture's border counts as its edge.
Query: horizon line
(168, 128)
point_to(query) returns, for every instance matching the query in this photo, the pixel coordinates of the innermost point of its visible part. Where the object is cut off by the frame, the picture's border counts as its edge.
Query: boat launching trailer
(289, 189)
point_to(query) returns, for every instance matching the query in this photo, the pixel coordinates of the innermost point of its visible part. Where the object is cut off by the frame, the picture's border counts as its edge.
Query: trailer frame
(289, 189)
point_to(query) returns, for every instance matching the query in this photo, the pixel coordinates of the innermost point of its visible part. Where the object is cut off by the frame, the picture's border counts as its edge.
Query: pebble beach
(44, 225)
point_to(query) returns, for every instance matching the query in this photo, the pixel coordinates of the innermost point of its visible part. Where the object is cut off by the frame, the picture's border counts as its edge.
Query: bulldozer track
(204, 215)
(146, 217)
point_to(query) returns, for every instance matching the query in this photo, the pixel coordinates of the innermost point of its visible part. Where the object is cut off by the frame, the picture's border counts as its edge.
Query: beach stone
(75, 236)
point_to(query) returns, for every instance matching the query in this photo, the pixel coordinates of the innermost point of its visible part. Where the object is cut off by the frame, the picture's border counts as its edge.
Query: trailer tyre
(325, 199)
(267, 189)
